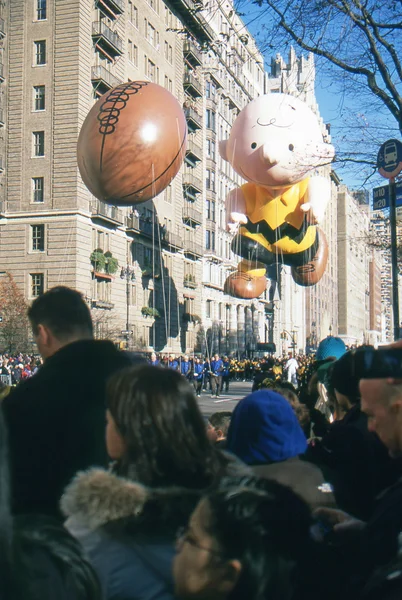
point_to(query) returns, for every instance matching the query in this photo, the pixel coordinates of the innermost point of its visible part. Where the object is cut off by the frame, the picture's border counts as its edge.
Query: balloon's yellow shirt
(276, 220)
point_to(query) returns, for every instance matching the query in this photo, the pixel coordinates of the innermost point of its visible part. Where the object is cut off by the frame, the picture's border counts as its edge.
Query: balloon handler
(275, 144)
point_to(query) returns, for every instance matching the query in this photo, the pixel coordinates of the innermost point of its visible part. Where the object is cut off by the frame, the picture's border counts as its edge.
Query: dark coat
(56, 423)
(129, 531)
(304, 479)
(355, 462)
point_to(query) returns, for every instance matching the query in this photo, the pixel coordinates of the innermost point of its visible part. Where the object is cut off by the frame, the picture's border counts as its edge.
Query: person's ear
(220, 433)
(230, 576)
(43, 335)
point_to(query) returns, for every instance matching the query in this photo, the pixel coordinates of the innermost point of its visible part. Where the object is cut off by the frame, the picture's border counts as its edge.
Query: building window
(151, 34)
(40, 52)
(154, 4)
(210, 119)
(168, 52)
(151, 70)
(37, 189)
(211, 149)
(37, 284)
(132, 53)
(210, 180)
(168, 194)
(38, 138)
(210, 89)
(210, 204)
(41, 10)
(168, 84)
(210, 240)
(39, 97)
(133, 14)
(38, 238)
(208, 309)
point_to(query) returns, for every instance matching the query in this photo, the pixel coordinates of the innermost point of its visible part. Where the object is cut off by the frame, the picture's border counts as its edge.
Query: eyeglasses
(184, 536)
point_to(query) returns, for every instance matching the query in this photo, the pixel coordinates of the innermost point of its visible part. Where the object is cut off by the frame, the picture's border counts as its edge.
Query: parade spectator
(353, 459)
(216, 375)
(127, 519)
(39, 559)
(374, 543)
(250, 539)
(220, 421)
(264, 433)
(56, 419)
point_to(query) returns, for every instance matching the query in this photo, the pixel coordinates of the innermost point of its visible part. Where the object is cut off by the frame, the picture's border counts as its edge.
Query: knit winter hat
(264, 429)
(330, 346)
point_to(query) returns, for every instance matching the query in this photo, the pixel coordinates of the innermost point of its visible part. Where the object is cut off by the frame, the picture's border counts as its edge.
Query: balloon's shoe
(248, 281)
(311, 272)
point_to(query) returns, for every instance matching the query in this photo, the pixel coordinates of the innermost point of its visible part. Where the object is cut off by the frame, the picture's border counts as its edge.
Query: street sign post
(127, 332)
(389, 164)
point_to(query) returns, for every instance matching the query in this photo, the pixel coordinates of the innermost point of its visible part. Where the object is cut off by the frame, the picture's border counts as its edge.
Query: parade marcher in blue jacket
(174, 363)
(216, 375)
(154, 362)
(226, 373)
(207, 374)
(198, 375)
(186, 368)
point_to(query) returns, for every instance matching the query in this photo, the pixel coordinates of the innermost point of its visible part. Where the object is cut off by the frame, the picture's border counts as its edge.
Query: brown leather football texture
(132, 143)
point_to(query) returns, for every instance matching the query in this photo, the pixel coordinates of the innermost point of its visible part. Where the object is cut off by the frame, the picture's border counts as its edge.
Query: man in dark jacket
(56, 419)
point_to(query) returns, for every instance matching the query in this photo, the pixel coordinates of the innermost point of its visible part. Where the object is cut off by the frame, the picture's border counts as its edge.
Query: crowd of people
(113, 486)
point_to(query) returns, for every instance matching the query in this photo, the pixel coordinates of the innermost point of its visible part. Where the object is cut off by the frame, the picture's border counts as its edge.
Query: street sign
(389, 159)
(126, 332)
(381, 196)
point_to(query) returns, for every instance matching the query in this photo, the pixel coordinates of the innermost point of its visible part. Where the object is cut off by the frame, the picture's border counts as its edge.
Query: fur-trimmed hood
(97, 497)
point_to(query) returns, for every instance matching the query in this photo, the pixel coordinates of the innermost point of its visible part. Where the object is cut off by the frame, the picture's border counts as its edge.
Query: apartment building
(353, 272)
(152, 274)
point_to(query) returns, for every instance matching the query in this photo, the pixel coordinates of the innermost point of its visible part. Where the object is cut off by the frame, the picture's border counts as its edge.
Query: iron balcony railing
(192, 214)
(192, 84)
(99, 73)
(112, 213)
(100, 29)
(192, 53)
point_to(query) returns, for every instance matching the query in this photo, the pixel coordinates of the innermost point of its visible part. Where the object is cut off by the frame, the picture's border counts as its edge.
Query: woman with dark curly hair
(127, 519)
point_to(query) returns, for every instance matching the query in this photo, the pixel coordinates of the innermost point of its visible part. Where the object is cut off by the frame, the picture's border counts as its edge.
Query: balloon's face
(276, 141)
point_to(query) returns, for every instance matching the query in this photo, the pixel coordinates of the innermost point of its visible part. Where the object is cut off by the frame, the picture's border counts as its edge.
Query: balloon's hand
(318, 196)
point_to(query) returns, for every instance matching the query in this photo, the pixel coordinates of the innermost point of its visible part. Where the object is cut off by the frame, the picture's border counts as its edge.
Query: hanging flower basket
(98, 260)
(148, 311)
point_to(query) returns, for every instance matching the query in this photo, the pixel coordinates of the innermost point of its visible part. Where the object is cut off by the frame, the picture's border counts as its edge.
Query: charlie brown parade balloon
(275, 143)
(132, 143)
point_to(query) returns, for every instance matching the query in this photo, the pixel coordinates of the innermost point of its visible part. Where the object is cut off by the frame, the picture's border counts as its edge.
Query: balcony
(193, 152)
(2, 29)
(1, 117)
(212, 255)
(102, 304)
(189, 281)
(194, 119)
(192, 216)
(192, 54)
(216, 76)
(142, 225)
(193, 249)
(112, 7)
(103, 80)
(1, 72)
(172, 240)
(192, 85)
(234, 102)
(109, 42)
(190, 13)
(110, 214)
(192, 185)
(1, 165)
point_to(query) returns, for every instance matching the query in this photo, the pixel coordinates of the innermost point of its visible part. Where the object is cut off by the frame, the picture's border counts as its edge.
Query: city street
(237, 391)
